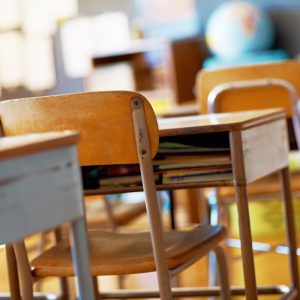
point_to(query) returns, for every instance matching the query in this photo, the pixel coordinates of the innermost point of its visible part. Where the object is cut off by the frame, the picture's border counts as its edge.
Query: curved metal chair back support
(290, 103)
(208, 79)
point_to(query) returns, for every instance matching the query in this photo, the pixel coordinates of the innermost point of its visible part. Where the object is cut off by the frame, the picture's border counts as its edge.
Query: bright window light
(117, 76)
(41, 16)
(84, 37)
(11, 65)
(76, 42)
(36, 17)
(111, 32)
(39, 64)
(62, 9)
(9, 14)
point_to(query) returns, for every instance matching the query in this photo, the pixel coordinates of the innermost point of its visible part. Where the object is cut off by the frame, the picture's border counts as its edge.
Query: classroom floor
(272, 267)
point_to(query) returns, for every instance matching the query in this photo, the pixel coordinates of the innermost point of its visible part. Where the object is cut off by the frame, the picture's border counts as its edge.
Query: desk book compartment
(194, 158)
(180, 159)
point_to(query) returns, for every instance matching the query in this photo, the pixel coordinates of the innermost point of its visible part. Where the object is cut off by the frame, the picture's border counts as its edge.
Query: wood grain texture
(39, 192)
(99, 117)
(265, 152)
(208, 79)
(248, 98)
(113, 253)
(217, 122)
(14, 146)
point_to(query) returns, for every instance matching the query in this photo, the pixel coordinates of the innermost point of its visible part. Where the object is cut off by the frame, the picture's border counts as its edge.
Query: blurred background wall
(186, 37)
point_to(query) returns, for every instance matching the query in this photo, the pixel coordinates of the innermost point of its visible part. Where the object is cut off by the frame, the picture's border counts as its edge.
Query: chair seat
(115, 253)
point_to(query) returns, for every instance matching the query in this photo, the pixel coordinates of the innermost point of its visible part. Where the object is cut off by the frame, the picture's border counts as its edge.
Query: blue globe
(236, 28)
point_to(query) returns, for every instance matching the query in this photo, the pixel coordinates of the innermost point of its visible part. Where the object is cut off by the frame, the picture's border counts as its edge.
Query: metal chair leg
(96, 287)
(223, 273)
(12, 269)
(290, 227)
(24, 270)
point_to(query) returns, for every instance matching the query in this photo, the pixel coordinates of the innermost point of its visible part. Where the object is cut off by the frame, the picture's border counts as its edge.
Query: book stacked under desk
(189, 163)
(174, 163)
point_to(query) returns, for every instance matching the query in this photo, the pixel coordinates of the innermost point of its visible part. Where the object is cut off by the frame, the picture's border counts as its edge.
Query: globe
(236, 28)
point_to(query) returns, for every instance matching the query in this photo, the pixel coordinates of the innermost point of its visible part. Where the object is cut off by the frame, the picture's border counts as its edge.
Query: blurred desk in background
(151, 64)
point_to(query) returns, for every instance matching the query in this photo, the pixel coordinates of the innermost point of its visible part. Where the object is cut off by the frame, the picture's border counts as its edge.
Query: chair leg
(64, 287)
(63, 281)
(95, 287)
(14, 285)
(172, 209)
(290, 227)
(223, 273)
(213, 220)
(24, 270)
(80, 256)
(213, 277)
(175, 281)
(121, 282)
(112, 225)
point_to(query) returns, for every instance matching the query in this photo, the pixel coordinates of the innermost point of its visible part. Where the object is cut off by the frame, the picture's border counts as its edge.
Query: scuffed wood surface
(38, 192)
(32, 143)
(217, 122)
(265, 149)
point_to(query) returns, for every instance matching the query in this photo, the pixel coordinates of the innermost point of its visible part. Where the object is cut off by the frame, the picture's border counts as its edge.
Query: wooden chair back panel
(254, 98)
(209, 79)
(98, 116)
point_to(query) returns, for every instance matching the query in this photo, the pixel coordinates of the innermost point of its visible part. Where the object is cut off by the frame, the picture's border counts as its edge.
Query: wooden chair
(207, 80)
(41, 188)
(253, 87)
(116, 128)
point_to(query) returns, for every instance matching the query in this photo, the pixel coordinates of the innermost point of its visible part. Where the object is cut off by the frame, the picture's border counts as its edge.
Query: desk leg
(237, 158)
(14, 284)
(172, 209)
(246, 242)
(81, 259)
(290, 227)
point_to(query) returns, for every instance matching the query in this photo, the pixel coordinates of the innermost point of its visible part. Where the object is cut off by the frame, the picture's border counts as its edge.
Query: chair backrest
(99, 117)
(269, 96)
